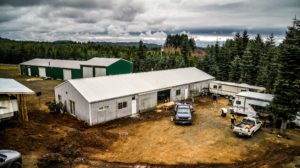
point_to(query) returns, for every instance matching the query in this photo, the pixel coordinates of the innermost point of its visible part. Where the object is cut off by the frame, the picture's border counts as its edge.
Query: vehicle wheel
(251, 135)
(16, 165)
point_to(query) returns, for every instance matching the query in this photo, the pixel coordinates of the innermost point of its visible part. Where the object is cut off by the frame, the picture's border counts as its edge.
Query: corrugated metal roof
(70, 64)
(11, 86)
(100, 61)
(108, 87)
(241, 85)
(255, 95)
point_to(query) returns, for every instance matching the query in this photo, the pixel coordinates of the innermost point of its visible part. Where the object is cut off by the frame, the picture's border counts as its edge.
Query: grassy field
(54, 140)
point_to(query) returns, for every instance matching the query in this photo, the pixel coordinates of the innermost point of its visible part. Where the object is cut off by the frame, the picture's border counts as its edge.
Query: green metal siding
(76, 73)
(23, 69)
(55, 73)
(34, 70)
(119, 67)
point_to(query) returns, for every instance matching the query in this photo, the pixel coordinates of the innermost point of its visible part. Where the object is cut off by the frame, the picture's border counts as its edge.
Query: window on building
(72, 107)
(122, 105)
(59, 98)
(243, 90)
(220, 86)
(177, 92)
(238, 102)
(103, 108)
(215, 86)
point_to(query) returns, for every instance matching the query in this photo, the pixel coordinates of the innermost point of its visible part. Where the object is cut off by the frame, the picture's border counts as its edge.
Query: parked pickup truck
(247, 127)
(183, 114)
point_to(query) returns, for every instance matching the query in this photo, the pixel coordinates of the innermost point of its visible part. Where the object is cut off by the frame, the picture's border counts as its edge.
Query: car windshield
(2, 156)
(183, 111)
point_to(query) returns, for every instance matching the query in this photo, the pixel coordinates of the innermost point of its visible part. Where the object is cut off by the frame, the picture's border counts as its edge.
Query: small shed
(74, 69)
(13, 99)
(101, 99)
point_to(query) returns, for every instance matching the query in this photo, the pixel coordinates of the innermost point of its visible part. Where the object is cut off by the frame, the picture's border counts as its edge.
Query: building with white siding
(101, 99)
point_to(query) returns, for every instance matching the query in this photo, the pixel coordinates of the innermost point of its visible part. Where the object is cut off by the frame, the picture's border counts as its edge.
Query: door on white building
(42, 72)
(100, 72)
(87, 72)
(67, 74)
(133, 106)
(186, 93)
(29, 71)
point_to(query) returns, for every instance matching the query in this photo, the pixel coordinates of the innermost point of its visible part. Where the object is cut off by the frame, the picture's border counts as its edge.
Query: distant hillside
(124, 44)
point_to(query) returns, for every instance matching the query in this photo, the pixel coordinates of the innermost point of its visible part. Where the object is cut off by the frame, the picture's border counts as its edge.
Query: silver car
(10, 159)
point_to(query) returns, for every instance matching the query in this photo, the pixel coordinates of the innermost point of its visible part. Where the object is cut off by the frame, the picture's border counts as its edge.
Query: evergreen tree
(286, 100)
(234, 73)
(246, 66)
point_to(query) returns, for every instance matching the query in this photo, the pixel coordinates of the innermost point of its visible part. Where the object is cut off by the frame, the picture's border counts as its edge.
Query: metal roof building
(12, 98)
(96, 100)
(74, 69)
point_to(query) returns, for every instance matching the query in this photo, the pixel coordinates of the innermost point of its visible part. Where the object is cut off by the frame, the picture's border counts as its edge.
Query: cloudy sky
(149, 20)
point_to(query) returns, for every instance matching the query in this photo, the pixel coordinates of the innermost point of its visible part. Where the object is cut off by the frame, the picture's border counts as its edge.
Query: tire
(251, 135)
(16, 165)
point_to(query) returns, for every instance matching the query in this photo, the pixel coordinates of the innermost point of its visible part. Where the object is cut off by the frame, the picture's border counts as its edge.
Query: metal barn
(73, 69)
(13, 99)
(101, 99)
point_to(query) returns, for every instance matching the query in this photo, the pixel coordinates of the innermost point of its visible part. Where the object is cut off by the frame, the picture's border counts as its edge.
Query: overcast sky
(149, 20)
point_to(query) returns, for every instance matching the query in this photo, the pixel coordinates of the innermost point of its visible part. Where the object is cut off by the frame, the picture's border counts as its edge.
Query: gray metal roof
(108, 87)
(244, 85)
(100, 61)
(71, 64)
(255, 95)
(11, 86)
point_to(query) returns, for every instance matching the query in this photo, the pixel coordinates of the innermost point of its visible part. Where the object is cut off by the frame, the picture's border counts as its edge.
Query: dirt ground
(151, 140)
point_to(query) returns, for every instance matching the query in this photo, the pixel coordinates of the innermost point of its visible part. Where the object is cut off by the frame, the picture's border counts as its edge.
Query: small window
(133, 98)
(119, 105)
(103, 108)
(243, 90)
(59, 97)
(124, 104)
(238, 102)
(177, 92)
(215, 86)
(220, 87)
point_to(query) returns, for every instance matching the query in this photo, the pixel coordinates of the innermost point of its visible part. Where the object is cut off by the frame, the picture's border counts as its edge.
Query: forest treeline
(241, 59)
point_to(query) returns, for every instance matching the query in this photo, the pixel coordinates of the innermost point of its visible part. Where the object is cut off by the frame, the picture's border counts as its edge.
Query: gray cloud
(100, 20)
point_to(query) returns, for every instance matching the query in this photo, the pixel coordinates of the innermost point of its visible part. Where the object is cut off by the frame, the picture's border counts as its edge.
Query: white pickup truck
(247, 127)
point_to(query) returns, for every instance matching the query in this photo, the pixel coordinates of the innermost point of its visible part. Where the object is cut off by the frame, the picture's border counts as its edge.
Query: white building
(11, 96)
(101, 99)
(231, 89)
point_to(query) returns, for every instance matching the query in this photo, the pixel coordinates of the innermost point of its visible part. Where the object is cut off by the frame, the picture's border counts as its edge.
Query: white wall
(68, 92)
(112, 112)
(182, 89)
(147, 101)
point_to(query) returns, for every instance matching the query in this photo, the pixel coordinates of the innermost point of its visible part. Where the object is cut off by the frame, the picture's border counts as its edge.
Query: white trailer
(249, 103)
(231, 89)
